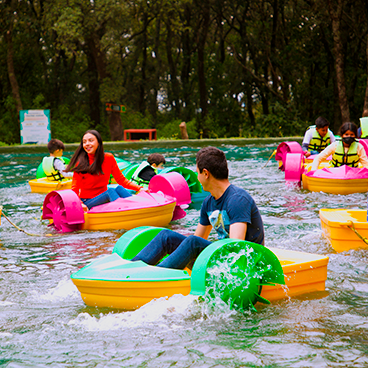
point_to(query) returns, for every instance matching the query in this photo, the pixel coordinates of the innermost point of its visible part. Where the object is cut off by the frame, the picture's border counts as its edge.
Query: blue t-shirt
(235, 205)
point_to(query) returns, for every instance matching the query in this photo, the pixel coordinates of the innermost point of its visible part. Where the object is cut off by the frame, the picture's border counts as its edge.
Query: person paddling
(347, 151)
(229, 210)
(92, 168)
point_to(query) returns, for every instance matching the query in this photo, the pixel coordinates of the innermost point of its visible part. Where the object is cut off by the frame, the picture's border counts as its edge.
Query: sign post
(118, 108)
(34, 126)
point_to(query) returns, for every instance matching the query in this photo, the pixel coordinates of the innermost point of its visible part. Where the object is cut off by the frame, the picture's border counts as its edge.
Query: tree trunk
(365, 107)
(335, 16)
(174, 83)
(202, 37)
(115, 125)
(186, 65)
(93, 91)
(11, 72)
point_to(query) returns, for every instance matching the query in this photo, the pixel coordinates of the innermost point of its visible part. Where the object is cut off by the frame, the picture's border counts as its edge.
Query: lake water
(44, 322)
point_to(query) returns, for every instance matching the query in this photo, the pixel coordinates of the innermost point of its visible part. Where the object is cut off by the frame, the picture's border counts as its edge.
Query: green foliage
(68, 126)
(9, 123)
(281, 122)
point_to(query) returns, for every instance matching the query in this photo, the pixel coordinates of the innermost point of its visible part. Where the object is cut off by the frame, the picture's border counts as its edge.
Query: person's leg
(165, 242)
(122, 192)
(188, 250)
(108, 196)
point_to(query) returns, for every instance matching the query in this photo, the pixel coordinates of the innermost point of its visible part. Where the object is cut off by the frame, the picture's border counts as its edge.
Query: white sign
(34, 126)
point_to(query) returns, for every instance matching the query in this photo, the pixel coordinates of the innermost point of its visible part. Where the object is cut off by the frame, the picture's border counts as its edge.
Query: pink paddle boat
(169, 195)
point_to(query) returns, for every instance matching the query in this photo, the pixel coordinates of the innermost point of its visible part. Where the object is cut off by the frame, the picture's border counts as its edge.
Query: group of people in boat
(229, 210)
(319, 140)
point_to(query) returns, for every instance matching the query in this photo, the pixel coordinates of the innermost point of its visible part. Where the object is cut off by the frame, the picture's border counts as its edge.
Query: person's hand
(307, 154)
(142, 189)
(85, 208)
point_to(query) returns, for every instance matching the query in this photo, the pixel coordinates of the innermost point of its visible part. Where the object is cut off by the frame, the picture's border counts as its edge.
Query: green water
(43, 321)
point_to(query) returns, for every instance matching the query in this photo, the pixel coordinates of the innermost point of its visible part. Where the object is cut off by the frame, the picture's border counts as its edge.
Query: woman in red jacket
(92, 169)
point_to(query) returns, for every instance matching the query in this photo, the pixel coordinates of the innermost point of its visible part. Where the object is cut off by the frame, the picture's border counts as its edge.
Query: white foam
(5, 304)
(155, 312)
(65, 289)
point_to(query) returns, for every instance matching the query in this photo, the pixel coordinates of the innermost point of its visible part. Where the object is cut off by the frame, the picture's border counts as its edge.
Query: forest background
(228, 68)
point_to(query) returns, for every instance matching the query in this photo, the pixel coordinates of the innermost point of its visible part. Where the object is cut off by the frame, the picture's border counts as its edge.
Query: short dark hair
(214, 160)
(156, 158)
(349, 126)
(322, 122)
(54, 145)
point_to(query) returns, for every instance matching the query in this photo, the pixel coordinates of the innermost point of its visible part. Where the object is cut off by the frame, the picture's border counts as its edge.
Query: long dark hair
(80, 162)
(349, 126)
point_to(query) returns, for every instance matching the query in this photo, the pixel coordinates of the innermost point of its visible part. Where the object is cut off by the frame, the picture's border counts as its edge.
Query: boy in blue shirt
(230, 210)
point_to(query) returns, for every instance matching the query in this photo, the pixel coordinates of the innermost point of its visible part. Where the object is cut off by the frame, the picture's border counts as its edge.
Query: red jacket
(90, 186)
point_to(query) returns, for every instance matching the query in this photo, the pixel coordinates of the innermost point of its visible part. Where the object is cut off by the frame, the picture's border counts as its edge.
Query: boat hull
(304, 273)
(335, 186)
(158, 215)
(335, 222)
(44, 186)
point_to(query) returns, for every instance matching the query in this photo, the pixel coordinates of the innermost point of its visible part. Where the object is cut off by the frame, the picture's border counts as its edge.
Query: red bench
(138, 134)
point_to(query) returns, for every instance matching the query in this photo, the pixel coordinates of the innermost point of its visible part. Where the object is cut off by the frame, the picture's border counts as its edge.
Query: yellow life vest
(139, 169)
(317, 142)
(349, 158)
(48, 167)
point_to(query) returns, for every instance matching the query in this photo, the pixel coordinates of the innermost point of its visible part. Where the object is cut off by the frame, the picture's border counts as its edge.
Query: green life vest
(48, 167)
(350, 158)
(317, 142)
(135, 176)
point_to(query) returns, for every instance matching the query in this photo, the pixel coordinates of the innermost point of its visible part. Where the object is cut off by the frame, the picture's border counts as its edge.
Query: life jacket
(317, 142)
(364, 127)
(135, 176)
(48, 167)
(350, 158)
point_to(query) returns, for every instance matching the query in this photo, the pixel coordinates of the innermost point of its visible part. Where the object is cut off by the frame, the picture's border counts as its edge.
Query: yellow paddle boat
(44, 186)
(242, 272)
(345, 229)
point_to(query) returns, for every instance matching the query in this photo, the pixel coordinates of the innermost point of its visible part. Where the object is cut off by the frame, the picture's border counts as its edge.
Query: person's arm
(328, 151)
(332, 137)
(119, 177)
(203, 231)
(362, 156)
(306, 140)
(59, 165)
(238, 230)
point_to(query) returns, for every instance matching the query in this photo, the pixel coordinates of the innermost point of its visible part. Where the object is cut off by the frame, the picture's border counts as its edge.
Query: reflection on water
(44, 322)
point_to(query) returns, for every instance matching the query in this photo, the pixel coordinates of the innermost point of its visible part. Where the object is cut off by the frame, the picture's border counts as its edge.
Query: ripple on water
(44, 322)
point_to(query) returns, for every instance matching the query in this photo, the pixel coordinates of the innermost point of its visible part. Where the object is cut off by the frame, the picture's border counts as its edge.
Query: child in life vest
(148, 169)
(317, 137)
(347, 151)
(54, 165)
(92, 168)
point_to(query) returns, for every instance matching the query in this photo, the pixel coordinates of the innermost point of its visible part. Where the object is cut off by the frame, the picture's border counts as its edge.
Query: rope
(18, 228)
(356, 232)
(273, 153)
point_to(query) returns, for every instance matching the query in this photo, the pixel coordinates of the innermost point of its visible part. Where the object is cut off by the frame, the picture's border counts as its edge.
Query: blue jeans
(182, 250)
(110, 195)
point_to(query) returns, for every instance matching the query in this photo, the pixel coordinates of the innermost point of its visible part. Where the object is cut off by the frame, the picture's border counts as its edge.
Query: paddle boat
(64, 209)
(43, 185)
(195, 187)
(345, 229)
(327, 179)
(241, 273)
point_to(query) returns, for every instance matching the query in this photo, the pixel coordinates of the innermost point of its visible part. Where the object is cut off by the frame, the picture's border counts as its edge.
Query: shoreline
(121, 145)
